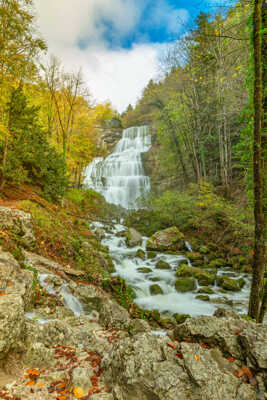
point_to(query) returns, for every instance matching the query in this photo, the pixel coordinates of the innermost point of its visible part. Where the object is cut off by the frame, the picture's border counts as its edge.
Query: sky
(117, 43)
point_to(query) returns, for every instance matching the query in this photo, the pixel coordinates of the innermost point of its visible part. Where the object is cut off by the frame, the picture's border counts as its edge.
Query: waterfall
(120, 177)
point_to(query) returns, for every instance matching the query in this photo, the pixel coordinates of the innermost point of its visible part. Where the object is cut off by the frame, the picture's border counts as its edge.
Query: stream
(127, 266)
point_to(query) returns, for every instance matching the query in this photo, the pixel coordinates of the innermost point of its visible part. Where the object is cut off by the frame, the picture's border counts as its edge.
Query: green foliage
(30, 158)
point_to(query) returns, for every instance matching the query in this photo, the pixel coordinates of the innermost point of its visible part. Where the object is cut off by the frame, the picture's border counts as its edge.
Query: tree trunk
(258, 261)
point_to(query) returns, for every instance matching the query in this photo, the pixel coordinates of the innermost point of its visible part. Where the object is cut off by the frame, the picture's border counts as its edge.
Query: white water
(126, 264)
(120, 177)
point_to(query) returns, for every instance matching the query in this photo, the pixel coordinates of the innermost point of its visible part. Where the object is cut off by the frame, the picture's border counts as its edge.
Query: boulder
(204, 277)
(112, 315)
(185, 285)
(81, 378)
(18, 222)
(206, 290)
(168, 239)
(155, 289)
(144, 270)
(228, 283)
(133, 238)
(144, 367)
(203, 297)
(163, 265)
(141, 254)
(12, 325)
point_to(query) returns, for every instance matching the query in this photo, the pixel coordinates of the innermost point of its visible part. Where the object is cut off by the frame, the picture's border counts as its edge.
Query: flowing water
(120, 177)
(128, 265)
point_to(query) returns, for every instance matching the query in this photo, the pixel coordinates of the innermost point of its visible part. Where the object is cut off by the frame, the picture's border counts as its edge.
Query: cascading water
(120, 177)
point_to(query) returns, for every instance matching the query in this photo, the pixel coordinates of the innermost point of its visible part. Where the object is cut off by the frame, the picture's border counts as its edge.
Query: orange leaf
(61, 397)
(252, 252)
(9, 284)
(3, 294)
(41, 384)
(62, 385)
(237, 332)
(171, 346)
(246, 370)
(204, 346)
(179, 355)
(196, 357)
(231, 359)
(33, 372)
(30, 383)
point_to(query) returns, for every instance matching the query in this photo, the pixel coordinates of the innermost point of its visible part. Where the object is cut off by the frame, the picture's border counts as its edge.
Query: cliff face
(160, 177)
(109, 137)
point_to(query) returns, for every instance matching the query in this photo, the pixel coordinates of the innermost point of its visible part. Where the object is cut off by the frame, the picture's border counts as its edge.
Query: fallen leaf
(196, 357)
(78, 392)
(231, 359)
(41, 384)
(179, 355)
(3, 294)
(204, 346)
(30, 383)
(171, 346)
(237, 332)
(33, 372)
(61, 397)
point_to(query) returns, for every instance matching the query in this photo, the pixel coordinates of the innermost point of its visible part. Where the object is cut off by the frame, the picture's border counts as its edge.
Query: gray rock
(144, 367)
(218, 331)
(253, 340)
(168, 239)
(19, 222)
(38, 356)
(141, 254)
(133, 238)
(102, 396)
(113, 315)
(11, 323)
(81, 378)
(202, 364)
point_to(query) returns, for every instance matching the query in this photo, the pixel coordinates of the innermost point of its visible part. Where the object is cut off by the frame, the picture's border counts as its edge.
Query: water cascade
(120, 177)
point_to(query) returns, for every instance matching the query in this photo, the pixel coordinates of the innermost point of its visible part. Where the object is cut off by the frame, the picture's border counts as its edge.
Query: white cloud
(116, 75)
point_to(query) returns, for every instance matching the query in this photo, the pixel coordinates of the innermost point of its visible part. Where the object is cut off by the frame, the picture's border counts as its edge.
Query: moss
(162, 265)
(202, 297)
(180, 318)
(185, 284)
(228, 284)
(204, 277)
(141, 254)
(206, 290)
(144, 270)
(155, 289)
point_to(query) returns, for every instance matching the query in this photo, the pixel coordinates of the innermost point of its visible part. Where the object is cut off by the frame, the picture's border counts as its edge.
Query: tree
(19, 47)
(259, 245)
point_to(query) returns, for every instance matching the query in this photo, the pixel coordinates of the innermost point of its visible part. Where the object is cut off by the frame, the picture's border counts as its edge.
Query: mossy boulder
(144, 270)
(185, 285)
(228, 283)
(203, 297)
(195, 258)
(217, 263)
(241, 282)
(133, 238)
(180, 318)
(206, 290)
(162, 265)
(204, 250)
(155, 289)
(204, 277)
(151, 254)
(168, 239)
(155, 279)
(141, 254)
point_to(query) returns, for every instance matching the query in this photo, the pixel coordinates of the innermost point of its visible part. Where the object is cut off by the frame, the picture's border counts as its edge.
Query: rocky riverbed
(61, 338)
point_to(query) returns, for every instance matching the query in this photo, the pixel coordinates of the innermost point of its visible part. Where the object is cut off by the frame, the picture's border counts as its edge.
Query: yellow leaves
(40, 385)
(196, 357)
(217, 33)
(30, 383)
(78, 392)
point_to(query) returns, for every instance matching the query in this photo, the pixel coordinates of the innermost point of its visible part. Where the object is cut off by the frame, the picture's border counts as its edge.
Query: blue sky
(117, 43)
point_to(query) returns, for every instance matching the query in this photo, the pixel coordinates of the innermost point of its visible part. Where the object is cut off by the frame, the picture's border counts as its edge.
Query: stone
(253, 340)
(185, 284)
(38, 356)
(155, 289)
(202, 364)
(219, 330)
(228, 283)
(133, 238)
(102, 396)
(144, 270)
(81, 378)
(180, 318)
(113, 315)
(144, 367)
(12, 326)
(206, 290)
(168, 239)
(218, 263)
(139, 325)
(195, 257)
(141, 254)
(202, 297)
(241, 282)
(100, 234)
(151, 254)
(204, 277)
(162, 265)
(20, 223)
(155, 279)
